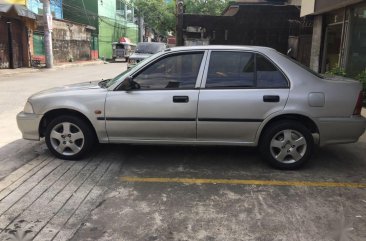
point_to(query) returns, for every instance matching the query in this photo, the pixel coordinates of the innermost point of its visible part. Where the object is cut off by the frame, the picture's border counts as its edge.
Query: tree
(161, 16)
(157, 14)
(206, 7)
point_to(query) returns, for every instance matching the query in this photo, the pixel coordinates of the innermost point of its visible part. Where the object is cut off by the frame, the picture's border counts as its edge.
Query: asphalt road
(128, 192)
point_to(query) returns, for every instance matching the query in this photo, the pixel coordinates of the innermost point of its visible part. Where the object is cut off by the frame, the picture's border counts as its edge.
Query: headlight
(28, 108)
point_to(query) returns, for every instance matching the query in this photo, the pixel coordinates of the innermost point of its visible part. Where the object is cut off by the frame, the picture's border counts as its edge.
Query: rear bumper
(28, 124)
(341, 130)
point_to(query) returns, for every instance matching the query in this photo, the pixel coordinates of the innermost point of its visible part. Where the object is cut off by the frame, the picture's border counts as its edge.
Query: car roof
(222, 47)
(151, 43)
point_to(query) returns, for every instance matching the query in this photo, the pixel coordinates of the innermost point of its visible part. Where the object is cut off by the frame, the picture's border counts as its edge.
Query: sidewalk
(12, 72)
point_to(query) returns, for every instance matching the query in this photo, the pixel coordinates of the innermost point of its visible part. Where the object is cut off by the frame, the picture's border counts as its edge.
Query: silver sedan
(211, 95)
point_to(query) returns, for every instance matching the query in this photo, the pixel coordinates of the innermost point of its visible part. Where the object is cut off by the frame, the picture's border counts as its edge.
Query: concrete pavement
(51, 199)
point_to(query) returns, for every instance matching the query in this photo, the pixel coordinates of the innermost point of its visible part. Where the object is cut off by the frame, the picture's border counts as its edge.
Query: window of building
(120, 7)
(173, 72)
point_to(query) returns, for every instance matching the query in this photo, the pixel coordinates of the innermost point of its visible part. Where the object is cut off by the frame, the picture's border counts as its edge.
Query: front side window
(230, 70)
(173, 72)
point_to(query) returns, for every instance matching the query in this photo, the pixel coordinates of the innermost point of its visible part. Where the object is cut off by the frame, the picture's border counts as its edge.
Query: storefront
(345, 39)
(339, 35)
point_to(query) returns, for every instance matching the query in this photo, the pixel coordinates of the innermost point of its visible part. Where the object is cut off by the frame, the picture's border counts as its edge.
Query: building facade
(240, 25)
(112, 19)
(17, 25)
(339, 35)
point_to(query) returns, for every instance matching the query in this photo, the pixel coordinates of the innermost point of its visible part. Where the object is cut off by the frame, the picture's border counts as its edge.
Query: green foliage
(161, 16)
(206, 7)
(362, 78)
(339, 71)
(157, 14)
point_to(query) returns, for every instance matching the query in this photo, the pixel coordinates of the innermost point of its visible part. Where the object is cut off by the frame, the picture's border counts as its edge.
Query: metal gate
(4, 46)
(12, 40)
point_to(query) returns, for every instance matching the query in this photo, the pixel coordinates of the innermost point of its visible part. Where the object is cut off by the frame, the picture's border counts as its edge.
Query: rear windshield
(305, 67)
(150, 48)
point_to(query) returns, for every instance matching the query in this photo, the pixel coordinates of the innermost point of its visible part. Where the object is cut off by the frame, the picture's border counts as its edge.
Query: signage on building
(21, 2)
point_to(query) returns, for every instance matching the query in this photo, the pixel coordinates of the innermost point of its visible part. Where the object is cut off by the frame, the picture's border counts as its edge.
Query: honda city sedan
(207, 95)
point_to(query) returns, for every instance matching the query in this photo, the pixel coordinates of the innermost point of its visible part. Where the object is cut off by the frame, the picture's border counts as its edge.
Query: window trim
(207, 65)
(199, 74)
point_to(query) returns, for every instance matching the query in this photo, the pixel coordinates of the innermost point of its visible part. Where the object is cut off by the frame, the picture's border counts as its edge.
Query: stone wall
(70, 41)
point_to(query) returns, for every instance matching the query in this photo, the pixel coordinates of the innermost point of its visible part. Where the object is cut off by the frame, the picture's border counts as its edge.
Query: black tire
(86, 144)
(268, 151)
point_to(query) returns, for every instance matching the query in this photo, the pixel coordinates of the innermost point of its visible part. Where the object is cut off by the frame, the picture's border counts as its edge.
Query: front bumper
(28, 124)
(341, 130)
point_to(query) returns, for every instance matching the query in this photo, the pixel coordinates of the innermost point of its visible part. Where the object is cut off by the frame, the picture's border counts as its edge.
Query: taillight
(358, 107)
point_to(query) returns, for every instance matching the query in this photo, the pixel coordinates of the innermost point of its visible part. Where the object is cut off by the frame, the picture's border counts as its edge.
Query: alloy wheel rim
(288, 146)
(67, 138)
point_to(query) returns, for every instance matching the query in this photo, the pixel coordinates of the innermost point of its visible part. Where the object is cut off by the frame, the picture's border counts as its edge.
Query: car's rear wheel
(287, 145)
(69, 137)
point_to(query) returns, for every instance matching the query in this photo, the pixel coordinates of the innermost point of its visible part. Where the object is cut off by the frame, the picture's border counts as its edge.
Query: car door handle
(271, 98)
(180, 99)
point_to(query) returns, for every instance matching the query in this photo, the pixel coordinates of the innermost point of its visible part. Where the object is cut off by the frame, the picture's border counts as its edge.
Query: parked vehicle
(208, 95)
(122, 50)
(143, 51)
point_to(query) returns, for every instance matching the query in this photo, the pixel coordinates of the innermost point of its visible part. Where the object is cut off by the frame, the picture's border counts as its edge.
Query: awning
(22, 11)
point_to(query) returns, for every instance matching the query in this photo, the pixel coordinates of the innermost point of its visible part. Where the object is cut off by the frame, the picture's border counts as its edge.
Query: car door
(239, 90)
(163, 107)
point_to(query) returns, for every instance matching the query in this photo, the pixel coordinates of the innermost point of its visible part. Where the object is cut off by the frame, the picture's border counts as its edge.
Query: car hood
(140, 55)
(69, 88)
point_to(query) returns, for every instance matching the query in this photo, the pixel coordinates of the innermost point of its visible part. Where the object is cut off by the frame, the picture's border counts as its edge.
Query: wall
(70, 41)
(111, 27)
(36, 6)
(245, 27)
(109, 32)
(307, 7)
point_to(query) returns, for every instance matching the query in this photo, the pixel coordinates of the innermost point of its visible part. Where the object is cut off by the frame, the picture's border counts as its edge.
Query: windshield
(149, 48)
(109, 82)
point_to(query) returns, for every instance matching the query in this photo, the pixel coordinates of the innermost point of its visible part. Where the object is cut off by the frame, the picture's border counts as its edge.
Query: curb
(56, 67)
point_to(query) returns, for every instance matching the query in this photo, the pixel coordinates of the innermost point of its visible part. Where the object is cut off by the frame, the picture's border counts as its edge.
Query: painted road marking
(243, 182)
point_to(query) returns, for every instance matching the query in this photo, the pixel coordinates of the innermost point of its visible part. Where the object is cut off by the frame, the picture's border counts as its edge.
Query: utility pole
(47, 22)
(179, 25)
(141, 28)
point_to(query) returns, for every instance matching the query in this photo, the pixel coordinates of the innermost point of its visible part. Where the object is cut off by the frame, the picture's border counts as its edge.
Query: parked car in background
(144, 50)
(207, 95)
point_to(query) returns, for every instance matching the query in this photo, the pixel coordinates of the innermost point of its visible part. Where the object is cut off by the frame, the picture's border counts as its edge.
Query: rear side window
(243, 70)
(231, 70)
(268, 76)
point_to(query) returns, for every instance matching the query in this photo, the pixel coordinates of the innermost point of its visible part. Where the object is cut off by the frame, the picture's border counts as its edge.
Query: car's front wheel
(287, 145)
(69, 137)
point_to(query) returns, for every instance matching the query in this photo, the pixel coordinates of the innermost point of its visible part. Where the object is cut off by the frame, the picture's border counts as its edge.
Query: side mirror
(128, 84)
